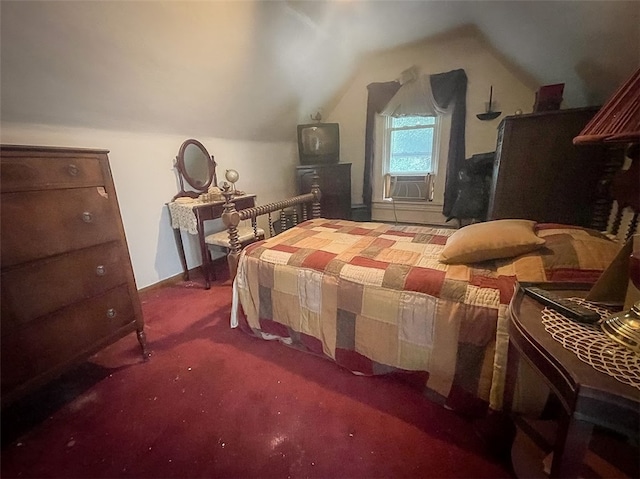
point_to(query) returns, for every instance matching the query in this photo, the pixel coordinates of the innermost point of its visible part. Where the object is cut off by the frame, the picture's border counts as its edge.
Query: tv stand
(335, 187)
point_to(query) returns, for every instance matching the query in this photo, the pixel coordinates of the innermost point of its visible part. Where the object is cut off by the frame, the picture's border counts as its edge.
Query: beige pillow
(491, 240)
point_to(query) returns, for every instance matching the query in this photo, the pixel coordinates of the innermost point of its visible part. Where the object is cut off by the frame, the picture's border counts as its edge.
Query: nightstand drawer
(36, 224)
(60, 281)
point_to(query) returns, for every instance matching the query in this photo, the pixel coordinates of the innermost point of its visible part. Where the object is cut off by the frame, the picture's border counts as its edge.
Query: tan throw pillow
(491, 240)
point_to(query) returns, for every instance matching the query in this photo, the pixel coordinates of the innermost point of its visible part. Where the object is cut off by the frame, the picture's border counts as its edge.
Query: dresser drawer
(60, 281)
(33, 173)
(56, 340)
(36, 224)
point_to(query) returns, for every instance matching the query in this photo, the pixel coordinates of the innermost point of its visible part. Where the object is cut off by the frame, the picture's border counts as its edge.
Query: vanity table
(199, 200)
(189, 215)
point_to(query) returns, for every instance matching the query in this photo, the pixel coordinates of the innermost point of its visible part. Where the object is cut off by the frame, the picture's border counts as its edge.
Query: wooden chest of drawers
(67, 283)
(539, 174)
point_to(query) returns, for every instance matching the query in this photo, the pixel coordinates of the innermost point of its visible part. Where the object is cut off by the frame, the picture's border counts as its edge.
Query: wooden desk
(190, 217)
(588, 397)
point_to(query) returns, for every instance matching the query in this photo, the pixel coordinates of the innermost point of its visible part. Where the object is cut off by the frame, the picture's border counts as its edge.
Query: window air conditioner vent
(409, 188)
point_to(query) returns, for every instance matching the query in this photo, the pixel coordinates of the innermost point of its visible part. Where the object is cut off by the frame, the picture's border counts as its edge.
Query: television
(319, 143)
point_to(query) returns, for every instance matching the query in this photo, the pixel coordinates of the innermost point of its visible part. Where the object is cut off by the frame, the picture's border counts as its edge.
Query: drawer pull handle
(111, 313)
(101, 270)
(73, 170)
(87, 217)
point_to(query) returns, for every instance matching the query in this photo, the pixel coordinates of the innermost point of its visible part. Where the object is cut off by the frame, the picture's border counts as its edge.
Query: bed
(379, 298)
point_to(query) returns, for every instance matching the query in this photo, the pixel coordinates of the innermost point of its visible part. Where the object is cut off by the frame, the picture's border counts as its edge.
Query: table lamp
(624, 327)
(618, 121)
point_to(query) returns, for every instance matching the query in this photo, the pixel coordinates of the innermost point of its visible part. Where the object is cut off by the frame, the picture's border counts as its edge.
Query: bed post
(232, 217)
(315, 191)
(231, 220)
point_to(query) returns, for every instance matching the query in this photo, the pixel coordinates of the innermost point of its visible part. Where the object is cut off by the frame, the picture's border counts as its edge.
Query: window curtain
(414, 98)
(450, 89)
(379, 95)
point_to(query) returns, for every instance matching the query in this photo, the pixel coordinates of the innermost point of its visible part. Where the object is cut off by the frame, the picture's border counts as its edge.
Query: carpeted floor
(214, 402)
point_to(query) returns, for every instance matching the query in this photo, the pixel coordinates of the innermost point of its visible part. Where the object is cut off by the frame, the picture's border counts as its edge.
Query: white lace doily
(592, 346)
(183, 217)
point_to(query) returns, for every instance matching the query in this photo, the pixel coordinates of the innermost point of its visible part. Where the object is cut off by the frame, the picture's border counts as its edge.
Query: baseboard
(195, 274)
(178, 278)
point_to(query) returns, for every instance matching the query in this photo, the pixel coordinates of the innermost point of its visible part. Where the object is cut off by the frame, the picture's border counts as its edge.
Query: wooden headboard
(625, 197)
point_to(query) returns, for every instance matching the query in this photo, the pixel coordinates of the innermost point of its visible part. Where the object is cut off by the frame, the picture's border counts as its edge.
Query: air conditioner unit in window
(409, 188)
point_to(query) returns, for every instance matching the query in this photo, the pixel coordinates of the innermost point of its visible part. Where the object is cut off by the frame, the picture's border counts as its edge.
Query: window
(411, 145)
(410, 150)
(409, 157)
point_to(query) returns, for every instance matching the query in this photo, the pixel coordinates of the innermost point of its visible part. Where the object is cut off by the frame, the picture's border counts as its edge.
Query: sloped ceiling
(251, 70)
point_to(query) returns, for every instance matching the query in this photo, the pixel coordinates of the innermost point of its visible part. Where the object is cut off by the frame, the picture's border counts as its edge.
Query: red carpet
(214, 402)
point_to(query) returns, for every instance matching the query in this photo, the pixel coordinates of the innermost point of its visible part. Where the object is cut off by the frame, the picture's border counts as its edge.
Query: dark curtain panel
(447, 88)
(379, 94)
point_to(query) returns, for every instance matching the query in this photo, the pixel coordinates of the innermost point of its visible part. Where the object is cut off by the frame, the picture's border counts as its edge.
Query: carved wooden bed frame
(454, 381)
(619, 190)
(231, 217)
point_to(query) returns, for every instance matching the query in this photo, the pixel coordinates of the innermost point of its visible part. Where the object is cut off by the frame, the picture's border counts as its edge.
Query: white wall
(465, 51)
(142, 167)
(142, 164)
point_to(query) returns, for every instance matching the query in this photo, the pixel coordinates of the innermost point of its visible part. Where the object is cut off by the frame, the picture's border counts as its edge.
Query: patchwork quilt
(375, 299)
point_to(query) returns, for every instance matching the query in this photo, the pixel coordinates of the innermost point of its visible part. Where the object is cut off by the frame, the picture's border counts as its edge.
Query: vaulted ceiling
(249, 70)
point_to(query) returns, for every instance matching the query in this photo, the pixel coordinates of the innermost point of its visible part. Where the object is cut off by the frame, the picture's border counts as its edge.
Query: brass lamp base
(624, 328)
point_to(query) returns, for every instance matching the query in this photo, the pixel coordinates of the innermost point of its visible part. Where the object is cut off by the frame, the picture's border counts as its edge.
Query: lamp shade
(619, 119)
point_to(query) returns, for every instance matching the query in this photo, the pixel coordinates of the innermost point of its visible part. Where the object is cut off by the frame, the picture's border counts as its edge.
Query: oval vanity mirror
(196, 168)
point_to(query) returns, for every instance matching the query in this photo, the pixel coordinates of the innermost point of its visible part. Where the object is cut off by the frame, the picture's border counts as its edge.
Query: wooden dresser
(335, 187)
(67, 283)
(539, 174)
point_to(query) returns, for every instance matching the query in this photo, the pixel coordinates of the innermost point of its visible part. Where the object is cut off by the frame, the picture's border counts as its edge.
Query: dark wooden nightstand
(588, 397)
(335, 187)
